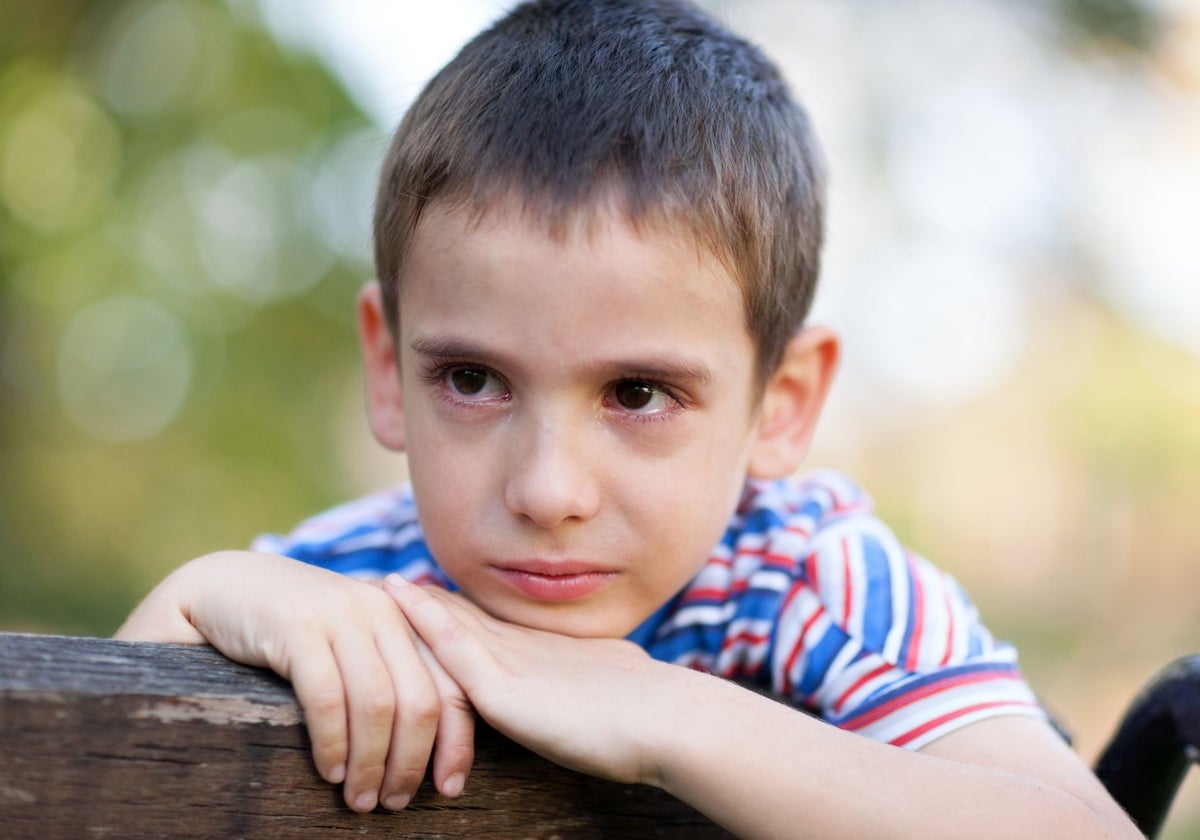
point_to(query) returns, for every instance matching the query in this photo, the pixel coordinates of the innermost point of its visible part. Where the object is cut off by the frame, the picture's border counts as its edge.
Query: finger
(370, 713)
(318, 685)
(415, 724)
(470, 614)
(454, 745)
(454, 636)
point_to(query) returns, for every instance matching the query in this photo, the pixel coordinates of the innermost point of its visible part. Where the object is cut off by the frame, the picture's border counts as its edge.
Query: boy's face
(578, 413)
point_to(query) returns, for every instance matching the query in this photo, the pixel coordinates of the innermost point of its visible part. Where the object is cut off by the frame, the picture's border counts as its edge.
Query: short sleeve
(368, 538)
(880, 642)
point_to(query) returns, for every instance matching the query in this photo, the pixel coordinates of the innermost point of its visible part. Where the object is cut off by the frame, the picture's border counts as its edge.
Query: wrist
(676, 712)
(710, 722)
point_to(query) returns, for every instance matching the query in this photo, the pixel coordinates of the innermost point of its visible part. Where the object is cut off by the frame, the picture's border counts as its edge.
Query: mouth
(554, 581)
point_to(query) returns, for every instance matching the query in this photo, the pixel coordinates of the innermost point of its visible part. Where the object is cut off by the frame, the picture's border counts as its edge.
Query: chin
(567, 620)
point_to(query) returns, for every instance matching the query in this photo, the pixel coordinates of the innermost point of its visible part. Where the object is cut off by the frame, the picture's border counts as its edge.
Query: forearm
(757, 767)
(237, 601)
(764, 770)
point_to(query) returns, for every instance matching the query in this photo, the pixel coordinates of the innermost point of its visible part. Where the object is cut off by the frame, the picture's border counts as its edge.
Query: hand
(587, 704)
(375, 700)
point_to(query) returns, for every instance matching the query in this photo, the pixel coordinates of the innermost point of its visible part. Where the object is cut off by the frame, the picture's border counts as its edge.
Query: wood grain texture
(100, 738)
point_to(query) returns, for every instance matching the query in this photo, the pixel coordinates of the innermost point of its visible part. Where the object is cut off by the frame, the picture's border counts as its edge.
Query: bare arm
(755, 766)
(374, 699)
(1009, 777)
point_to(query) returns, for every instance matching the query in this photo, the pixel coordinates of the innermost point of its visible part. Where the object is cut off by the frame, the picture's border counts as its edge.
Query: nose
(551, 480)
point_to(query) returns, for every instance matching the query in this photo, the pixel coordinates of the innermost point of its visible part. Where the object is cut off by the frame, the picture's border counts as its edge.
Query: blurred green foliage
(183, 225)
(1133, 24)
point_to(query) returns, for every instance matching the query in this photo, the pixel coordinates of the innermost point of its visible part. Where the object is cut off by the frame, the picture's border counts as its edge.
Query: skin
(755, 766)
(591, 400)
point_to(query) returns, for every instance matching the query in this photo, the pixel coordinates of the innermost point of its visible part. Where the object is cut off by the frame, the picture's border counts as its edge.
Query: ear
(792, 402)
(381, 372)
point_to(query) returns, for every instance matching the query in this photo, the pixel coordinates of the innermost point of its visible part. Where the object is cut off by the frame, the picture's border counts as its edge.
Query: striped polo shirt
(808, 595)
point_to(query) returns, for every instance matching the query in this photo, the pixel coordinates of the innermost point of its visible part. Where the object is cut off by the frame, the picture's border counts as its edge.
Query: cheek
(447, 480)
(684, 514)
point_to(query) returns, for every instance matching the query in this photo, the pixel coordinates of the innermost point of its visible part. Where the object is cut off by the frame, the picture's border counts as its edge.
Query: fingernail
(395, 580)
(365, 802)
(397, 801)
(454, 785)
(338, 774)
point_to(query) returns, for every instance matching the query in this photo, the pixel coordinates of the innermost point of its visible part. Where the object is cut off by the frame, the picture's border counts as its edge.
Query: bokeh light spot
(59, 152)
(186, 44)
(124, 368)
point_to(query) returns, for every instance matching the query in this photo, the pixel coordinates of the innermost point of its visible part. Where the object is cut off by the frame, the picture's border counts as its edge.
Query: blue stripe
(385, 559)
(911, 618)
(820, 658)
(877, 615)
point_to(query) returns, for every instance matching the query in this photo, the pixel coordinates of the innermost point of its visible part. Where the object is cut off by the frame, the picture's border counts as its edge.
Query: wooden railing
(107, 739)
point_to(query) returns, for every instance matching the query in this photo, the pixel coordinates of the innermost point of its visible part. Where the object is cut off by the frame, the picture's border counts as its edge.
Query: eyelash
(677, 402)
(438, 375)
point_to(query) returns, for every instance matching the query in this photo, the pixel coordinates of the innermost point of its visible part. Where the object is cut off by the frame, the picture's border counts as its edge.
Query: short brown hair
(564, 103)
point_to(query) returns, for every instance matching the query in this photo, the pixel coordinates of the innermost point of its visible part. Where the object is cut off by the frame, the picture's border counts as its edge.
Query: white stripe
(805, 606)
(901, 603)
(788, 626)
(704, 614)
(911, 716)
(747, 653)
(771, 579)
(374, 539)
(842, 673)
(972, 717)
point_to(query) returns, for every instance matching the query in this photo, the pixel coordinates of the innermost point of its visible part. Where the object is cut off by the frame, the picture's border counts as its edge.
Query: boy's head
(597, 237)
(565, 107)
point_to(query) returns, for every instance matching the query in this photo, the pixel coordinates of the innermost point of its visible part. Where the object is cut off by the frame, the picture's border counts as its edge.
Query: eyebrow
(666, 368)
(445, 347)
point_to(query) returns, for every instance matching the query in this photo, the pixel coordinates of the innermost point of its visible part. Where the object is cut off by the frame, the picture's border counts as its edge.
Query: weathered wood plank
(100, 738)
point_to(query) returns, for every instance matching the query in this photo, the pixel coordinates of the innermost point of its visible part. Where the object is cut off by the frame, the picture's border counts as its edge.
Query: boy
(597, 237)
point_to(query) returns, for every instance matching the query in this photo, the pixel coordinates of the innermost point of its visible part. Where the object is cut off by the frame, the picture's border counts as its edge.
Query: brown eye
(633, 395)
(468, 382)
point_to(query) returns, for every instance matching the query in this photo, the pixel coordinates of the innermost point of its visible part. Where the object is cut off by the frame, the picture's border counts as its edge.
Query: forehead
(585, 291)
(623, 248)
(580, 220)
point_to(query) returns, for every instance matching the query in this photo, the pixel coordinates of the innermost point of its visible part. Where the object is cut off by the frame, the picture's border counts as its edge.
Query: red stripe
(798, 531)
(918, 608)
(903, 700)
(795, 654)
(714, 594)
(833, 497)
(882, 669)
(751, 552)
(705, 594)
(745, 636)
(810, 565)
(783, 561)
(787, 603)
(798, 648)
(950, 629)
(949, 716)
(846, 585)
